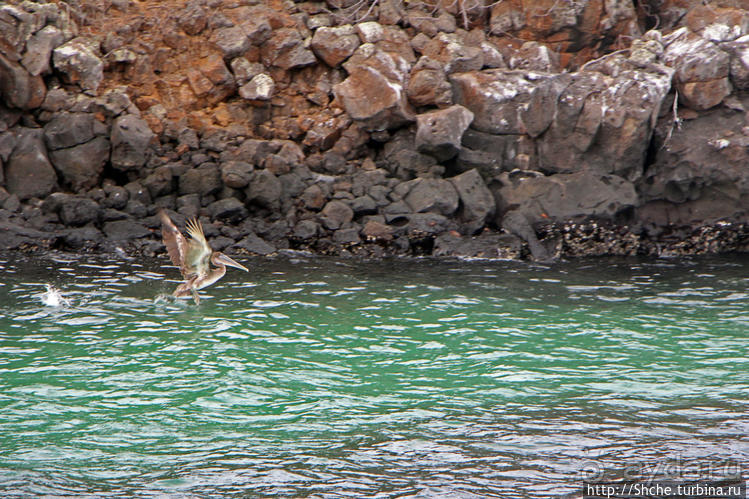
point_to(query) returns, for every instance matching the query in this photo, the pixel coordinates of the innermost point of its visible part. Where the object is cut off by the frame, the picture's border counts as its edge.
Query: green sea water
(314, 377)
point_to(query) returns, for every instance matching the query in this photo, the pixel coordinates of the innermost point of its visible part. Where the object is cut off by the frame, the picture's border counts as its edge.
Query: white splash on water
(53, 297)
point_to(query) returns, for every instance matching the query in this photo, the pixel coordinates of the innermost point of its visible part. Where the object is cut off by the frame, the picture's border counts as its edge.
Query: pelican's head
(219, 259)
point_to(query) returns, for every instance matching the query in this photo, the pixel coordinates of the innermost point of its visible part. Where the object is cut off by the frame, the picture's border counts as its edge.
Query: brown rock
(702, 95)
(369, 97)
(18, 88)
(285, 49)
(501, 100)
(335, 45)
(313, 197)
(377, 231)
(428, 85)
(456, 56)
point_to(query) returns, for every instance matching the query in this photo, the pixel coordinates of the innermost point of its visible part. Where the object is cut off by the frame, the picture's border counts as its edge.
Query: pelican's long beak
(229, 262)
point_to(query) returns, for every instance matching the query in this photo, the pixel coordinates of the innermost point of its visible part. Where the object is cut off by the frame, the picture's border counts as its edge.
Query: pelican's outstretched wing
(175, 242)
(198, 251)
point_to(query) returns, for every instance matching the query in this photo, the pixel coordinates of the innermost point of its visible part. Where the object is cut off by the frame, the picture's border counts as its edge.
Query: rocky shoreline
(443, 128)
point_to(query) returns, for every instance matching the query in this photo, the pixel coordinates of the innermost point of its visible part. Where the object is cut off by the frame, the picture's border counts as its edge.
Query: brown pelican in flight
(193, 257)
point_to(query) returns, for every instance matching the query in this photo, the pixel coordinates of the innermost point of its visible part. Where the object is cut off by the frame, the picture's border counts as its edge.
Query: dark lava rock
(254, 244)
(236, 174)
(204, 180)
(485, 245)
(131, 137)
(12, 203)
(335, 214)
(313, 197)
(364, 205)
(81, 166)
(189, 205)
(81, 237)
(69, 129)
(516, 223)
(117, 197)
(28, 172)
(435, 195)
(427, 224)
(306, 230)
(136, 192)
(347, 236)
(13, 236)
(229, 209)
(122, 230)
(160, 182)
(477, 201)
(439, 133)
(264, 189)
(77, 211)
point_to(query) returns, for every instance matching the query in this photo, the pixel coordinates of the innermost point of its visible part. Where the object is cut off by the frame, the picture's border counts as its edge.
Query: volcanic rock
(335, 45)
(130, 138)
(28, 172)
(78, 62)
(439, 133)
(81, 166)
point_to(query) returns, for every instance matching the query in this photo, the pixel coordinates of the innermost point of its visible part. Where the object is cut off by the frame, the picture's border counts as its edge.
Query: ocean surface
(316, 377)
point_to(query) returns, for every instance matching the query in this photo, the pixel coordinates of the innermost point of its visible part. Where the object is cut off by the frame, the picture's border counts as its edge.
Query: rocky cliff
(449, 127)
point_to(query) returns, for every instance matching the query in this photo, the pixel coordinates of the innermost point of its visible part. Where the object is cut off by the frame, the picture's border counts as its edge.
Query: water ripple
(324, 378)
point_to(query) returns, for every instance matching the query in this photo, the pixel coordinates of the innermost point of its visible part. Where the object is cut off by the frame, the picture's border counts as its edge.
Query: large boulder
(18, 88)
(699, 172)
(69, 129)
(28, 172)
(77, 210)
(81, 166)
(432, 195)
(614, 108)
(236, 174)
(374, 92)
(564, 196)
(477, 204)
(439, 133)
(509, 102)
(335, 214)
(265, 189)
(130, 138)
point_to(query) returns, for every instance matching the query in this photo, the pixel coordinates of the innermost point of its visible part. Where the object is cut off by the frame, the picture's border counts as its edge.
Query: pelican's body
(193, 257)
